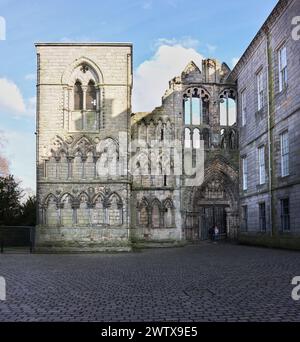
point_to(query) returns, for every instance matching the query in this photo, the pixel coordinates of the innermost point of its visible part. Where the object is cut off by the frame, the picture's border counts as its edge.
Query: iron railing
(16, 237)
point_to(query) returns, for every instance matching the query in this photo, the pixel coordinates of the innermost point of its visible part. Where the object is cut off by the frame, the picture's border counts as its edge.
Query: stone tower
(83, 187)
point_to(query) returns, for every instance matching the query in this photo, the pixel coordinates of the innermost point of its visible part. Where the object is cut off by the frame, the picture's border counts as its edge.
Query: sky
(166, 35)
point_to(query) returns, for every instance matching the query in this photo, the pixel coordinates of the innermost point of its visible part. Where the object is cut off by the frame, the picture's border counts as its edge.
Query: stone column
(70, 168)
(75, 207)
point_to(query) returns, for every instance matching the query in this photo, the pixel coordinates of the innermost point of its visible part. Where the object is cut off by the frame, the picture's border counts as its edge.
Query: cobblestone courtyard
(196, 283)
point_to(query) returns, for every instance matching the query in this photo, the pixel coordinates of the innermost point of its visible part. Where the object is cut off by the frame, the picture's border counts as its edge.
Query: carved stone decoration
(107, 191)
(84, 68)
(214, 190)
(197, 92)
(69, 139)
(228, 93)
(91, 191)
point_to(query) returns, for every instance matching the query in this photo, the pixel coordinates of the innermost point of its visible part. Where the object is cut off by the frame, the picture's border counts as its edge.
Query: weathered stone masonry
(84, 103)
(107, 177)
(280, 192)
(84, 97)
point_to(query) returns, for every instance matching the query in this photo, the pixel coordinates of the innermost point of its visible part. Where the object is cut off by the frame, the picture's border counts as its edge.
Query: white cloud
(187, 42)
(12, 101)
(152, 76)
(11, 98)
(30, 77)
(234, 61)
(21, 156)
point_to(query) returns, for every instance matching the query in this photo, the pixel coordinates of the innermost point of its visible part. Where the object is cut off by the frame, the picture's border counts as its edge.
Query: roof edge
(84, 44)
(281, 5)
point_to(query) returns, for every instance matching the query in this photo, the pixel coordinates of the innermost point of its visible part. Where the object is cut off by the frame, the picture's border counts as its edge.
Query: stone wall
(159, 139)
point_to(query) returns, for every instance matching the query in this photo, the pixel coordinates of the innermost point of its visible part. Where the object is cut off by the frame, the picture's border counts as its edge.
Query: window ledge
(284, 177)
(286, 232)
(260, 111)
(282, 92)
(261, 186)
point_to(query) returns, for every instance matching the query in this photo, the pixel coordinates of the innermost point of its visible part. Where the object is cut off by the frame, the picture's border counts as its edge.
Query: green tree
(10, 196)
(28, 212)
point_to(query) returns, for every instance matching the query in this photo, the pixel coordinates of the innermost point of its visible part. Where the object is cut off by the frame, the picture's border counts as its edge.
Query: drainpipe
(37, 144)
(270, 150)
(128, 133)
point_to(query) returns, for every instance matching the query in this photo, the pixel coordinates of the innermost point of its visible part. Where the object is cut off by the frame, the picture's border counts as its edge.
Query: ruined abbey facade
(108, 177)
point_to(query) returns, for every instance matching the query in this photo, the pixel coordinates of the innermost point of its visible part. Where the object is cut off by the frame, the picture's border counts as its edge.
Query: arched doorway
(212, 203)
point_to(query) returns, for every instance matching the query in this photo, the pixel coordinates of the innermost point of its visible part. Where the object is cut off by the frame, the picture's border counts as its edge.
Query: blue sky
(162, 31)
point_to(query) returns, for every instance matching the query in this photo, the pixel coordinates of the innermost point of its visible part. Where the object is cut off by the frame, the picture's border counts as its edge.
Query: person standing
(216, 233)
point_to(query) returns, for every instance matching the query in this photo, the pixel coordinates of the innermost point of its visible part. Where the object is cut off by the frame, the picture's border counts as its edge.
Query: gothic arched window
(196, 105)
(227, 108)
(143, 214)
(51, 214)
(85, 105)
(193, 111)
(91, 96)
(187, 111)
(115, 211)
(169, 214)
(78, 96)
(197, 114)
(83, 211)
(67, 211)
(155, 215)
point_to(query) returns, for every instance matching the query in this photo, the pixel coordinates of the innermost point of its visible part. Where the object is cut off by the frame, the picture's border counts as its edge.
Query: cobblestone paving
(204, 282)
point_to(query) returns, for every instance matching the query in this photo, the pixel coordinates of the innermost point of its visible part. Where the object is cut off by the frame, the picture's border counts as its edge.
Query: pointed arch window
(197, 114)
(78, 96)
(84, 112)
(169, 214)
(196, 106)
(143, 212)
(91, 96)
(156, 215)
(193, 110)
(227, 108)
(187, 111)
